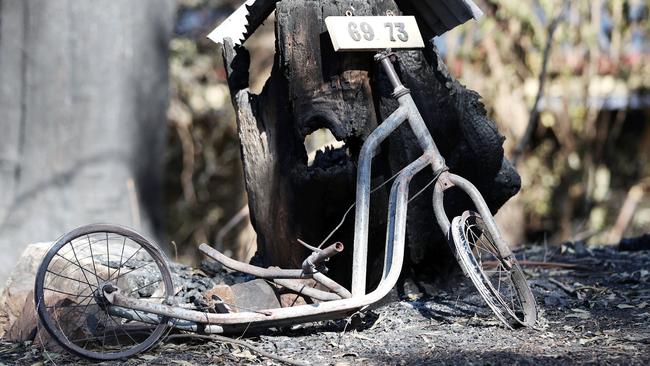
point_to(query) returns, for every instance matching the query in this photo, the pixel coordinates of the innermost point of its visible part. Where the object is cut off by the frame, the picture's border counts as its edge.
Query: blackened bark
(313, 87)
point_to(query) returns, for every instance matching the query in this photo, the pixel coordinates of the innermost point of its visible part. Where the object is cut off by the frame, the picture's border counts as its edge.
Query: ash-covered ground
(595, 309)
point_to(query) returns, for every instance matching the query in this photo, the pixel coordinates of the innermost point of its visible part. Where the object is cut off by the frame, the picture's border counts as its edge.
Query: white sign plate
(366, 33)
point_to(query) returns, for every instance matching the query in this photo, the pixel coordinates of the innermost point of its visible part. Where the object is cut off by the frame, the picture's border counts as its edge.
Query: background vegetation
(566, 81)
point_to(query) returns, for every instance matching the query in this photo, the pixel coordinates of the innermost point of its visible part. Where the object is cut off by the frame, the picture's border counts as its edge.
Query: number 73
(401, 31)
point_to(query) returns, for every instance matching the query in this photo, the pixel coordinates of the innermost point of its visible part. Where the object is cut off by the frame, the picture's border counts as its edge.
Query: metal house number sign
(366, 33)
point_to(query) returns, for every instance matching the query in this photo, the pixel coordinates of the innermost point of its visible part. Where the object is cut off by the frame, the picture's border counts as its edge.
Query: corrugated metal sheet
(436, 17)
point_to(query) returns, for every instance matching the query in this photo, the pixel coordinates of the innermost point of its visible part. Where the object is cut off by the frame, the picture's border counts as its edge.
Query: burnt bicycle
(88, 299)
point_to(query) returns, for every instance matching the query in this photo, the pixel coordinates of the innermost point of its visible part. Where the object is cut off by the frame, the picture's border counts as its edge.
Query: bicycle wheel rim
(510, 299)
(53, 320)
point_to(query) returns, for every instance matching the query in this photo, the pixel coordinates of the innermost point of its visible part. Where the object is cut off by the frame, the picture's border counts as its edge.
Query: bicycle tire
(44, 295)
(465, 231)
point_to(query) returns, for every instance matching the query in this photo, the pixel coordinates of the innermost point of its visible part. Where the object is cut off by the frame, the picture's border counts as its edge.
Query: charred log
(312, 87)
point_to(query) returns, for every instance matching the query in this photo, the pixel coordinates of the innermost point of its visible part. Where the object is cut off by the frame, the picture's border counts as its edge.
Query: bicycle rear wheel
(69, 291)
(499, 279)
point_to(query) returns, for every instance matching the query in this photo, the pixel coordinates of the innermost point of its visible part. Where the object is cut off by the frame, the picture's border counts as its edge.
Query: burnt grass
(595, 309)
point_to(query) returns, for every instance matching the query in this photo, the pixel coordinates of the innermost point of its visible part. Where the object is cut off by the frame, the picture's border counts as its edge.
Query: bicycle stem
(407, 111)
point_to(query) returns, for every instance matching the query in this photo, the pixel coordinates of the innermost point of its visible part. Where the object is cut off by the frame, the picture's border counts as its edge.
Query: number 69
(356, 31)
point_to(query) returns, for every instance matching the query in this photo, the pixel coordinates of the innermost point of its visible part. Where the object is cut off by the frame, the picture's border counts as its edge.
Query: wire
(313, 249)
(354, 204)
(435, 178)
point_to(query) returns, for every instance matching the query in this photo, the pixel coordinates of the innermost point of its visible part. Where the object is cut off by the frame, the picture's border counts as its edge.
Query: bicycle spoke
(117, 340)
(70, 263)
(68, 312)
(93, 258)
(122, 329)
(69, 278)
(67, 293)
(79, 264)
(145, 286)
(104, 334)
(480, 260)
(73, 308)
(65, 306)
(499, 285)
(127, 261)
(108, 258)
(85, 242)
(479, 247)
(134, 269)
(86, 339)
(119, 268)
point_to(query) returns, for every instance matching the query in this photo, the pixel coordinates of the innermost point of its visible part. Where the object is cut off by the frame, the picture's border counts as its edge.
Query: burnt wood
(313, 87)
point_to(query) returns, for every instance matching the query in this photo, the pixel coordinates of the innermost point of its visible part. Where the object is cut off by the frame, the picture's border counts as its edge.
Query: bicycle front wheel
(499, 279)
(70, 285)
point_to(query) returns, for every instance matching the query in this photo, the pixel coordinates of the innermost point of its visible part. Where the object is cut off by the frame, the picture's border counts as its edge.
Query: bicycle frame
(342, 302)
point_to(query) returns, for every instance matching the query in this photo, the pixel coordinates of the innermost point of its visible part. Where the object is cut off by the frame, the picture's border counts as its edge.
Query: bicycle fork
(431, 156)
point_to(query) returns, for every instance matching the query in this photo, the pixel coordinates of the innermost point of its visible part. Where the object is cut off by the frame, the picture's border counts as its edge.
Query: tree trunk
(83, 100)
(312, 87)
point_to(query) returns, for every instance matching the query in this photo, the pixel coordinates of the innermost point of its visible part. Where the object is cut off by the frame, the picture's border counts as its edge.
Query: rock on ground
(16, 300)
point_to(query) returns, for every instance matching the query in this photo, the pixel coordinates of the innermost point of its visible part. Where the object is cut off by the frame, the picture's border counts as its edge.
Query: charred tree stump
(312, 87)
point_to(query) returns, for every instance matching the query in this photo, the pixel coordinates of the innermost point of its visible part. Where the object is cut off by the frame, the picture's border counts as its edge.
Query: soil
(595, 309)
